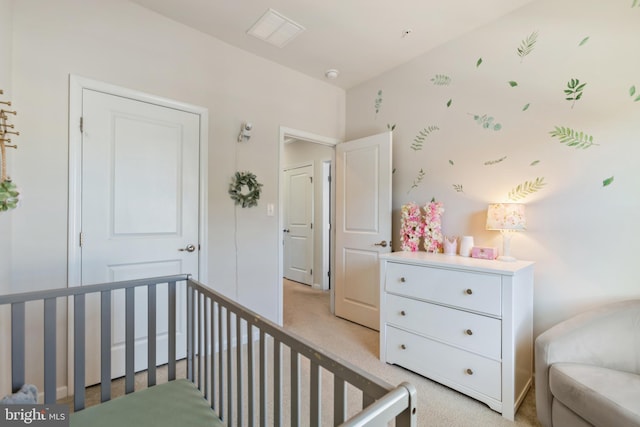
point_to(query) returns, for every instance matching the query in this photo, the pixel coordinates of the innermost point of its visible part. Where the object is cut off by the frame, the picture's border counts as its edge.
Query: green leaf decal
(441, 80)
(584, 40)
(632, 90)
(478, 62)
(458, 188)
(449, 103)
(378, 102)
(527, 45)
(418, 141)
(535, 162)
(417, 180)
(572, 137)
(487, 122)
(637, 99)
(574, 90)
(635, 3)
(607, 182)
(526, 188)
(451, 162)
(494, 162)
(391, 127)
(526, 107)
(513, 84)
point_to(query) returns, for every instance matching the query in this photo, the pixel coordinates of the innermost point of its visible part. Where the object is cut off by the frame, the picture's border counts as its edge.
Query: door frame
(76, 85)
(285, 134)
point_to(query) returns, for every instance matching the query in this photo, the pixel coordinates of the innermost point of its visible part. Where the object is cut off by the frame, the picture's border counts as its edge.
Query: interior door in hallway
(298, 222)
(140, 213)
(363, 225)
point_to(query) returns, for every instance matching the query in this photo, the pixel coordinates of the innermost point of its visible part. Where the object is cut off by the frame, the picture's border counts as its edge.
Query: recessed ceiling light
(332, 74)
(275, 28)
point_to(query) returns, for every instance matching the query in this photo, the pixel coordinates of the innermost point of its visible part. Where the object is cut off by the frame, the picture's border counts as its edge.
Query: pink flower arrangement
(411, 227)
(433, 237)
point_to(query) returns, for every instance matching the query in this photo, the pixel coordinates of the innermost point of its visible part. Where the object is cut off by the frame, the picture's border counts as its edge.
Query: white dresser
(463, 322)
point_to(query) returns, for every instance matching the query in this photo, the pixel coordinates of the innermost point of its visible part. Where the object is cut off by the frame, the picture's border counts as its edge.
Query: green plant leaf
(478, 62)
(607, 182)
(526, 107)
(584, 40)
(513, 84)
(419, 139)
(449, 103)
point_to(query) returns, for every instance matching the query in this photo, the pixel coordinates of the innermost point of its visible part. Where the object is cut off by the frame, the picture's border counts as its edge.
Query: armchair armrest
(608, 336)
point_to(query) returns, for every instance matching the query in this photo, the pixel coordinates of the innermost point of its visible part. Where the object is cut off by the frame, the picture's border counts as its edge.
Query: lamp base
(507, 258)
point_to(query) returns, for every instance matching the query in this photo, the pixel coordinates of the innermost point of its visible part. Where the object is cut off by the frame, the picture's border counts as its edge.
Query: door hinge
(81, 125)
(311, 179)
(81, 239)
(311, 225)
(311, 272)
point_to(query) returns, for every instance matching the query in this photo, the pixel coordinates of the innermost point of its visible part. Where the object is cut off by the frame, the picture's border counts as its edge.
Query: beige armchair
(588, 369)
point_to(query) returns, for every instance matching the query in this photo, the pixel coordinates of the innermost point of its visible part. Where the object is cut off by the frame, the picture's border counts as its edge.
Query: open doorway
(315, 155)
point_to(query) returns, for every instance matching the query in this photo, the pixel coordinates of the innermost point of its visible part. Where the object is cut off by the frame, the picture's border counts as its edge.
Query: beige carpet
(306, 313)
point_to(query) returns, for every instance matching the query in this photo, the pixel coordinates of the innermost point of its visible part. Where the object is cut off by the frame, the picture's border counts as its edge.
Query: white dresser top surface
(457, 261)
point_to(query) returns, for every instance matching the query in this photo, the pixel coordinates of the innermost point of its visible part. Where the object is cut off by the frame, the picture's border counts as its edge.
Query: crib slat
(50, 350)
(17, 345)
(220, 365)
(239, 399)
(295, 388)
(105, 346)
(263, 379)
(78, 351)
(190, 337)
(213, 354)
(130, 301)
(277, 383)
(250, 390)
(151, 335)
(316, 394)
(198, 326)
(206, 347)
(229, 373)
(339, 400)
(171, 369)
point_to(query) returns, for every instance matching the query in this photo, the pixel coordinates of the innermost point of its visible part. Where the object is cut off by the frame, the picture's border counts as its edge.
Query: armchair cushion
(602, 396)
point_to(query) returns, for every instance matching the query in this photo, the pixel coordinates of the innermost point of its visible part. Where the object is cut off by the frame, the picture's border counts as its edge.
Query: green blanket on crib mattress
(174, 404)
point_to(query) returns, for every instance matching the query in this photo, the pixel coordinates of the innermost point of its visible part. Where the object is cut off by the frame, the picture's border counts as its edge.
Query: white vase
(465, 246)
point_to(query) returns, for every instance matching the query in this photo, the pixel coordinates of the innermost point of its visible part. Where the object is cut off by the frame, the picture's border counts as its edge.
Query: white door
(140, 189)
(363, 225)
(298, 222)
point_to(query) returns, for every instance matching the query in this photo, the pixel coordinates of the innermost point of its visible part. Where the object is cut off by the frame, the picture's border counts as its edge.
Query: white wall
(123, 44)
(295, 154)
(582, 234)
(5, 217)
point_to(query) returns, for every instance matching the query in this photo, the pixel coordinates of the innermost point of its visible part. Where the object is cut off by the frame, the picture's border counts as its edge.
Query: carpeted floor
(307, 313)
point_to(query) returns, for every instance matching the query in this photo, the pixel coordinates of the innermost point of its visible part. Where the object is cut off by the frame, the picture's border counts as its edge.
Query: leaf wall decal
(487, 122)
(478, 62)
(607, 182)
(494, 162)
(417, 180)
(513, 84)
(441, 80)
(526, 188)
(449, 103)
(458, 188)
(535, 162)
(527, 45)
(572, 137)
(584, 40)
(419, 139)
(378, 102)
(574, 90)
(526, 107)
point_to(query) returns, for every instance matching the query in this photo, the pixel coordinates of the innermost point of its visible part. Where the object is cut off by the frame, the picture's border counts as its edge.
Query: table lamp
(506, 218)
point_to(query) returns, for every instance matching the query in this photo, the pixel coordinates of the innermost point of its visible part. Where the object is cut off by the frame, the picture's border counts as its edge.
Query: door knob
(383, 244)
(189, 248)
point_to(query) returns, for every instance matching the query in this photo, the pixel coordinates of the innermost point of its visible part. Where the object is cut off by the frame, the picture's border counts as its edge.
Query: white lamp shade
(506, 216)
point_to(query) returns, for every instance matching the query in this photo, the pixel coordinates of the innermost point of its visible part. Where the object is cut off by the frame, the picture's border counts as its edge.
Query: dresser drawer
(477, 333)
(473, 291)
(443, 363)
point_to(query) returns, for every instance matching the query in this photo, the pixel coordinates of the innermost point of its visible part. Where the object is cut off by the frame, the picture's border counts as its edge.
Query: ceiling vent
(275, 28)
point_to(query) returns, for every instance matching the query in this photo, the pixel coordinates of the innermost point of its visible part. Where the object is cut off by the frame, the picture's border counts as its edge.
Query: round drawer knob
(402, 346)
(402, 280)
(469, 371)
(468, 292)
(468, 332)
(403, 313)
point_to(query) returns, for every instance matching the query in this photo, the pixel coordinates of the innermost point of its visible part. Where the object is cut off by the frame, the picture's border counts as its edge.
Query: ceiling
(360, 38)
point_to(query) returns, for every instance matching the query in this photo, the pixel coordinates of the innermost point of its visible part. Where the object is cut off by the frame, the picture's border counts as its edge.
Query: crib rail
(243, 364)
